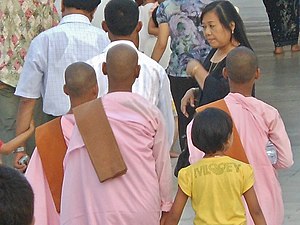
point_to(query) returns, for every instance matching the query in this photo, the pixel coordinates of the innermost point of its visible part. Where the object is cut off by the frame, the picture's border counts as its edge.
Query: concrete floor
(279, 86)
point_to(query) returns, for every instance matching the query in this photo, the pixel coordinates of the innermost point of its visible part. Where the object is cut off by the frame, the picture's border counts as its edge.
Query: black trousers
(179, 86)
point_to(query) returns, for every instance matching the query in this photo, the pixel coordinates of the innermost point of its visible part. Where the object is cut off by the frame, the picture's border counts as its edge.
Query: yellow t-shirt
(215, 186)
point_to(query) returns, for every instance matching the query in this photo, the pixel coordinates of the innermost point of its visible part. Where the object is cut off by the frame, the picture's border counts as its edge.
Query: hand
(163, 218)
(19, 167)
(192, 67)
(188, 98)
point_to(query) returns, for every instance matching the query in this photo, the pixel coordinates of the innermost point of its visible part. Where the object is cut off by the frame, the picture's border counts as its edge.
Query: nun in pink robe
(139, 196)
(136, 198)
(44, 209)
(256, 123)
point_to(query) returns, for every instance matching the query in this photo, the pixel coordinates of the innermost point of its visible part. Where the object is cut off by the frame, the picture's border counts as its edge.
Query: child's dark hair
(211, 130)
(16, 198)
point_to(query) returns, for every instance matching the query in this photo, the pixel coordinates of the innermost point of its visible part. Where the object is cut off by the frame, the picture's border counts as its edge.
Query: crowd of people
(111, 109)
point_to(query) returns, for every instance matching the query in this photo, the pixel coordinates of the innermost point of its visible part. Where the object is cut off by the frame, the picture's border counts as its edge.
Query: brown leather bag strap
(236, 150)
(99, 140)
(52, 149)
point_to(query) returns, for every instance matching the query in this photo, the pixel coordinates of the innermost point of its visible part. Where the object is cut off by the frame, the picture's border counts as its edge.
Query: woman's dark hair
(211, 130)
(227, 14)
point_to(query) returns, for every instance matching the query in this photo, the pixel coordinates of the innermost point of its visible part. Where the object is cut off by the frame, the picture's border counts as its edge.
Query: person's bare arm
(163, 217)
(174, 215)
(10, 146)
(188, 99)
(195, 69)
(24, 117)
(254, 207)
(161, 43)
(152, 29)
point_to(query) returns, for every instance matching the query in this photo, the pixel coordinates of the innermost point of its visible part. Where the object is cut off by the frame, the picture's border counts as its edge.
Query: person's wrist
(19, 149)
(195, 91)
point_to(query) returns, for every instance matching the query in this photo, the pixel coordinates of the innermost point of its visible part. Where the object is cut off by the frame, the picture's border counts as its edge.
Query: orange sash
(236, 150)
(99, 140)
(52, 148)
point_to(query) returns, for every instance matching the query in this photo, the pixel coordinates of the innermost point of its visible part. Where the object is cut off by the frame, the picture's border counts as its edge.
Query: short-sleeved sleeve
(185, 180)
(248, 177)
(161, 15)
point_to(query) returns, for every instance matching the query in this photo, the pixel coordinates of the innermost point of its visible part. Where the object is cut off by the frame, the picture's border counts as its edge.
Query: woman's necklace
(212, 66)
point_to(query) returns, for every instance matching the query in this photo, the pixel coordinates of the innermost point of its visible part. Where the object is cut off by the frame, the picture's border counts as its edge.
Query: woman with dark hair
(284, 23)
(224, 30)
(180, 20)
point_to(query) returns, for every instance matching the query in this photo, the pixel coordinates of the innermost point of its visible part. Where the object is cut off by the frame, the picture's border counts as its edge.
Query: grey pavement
(279, 86)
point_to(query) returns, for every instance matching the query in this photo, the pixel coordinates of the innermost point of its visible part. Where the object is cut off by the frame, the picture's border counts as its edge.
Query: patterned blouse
(20, 22)
(187, 39)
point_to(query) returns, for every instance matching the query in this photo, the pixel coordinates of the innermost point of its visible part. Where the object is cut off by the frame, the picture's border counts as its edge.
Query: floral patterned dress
(187, 38)
(284, 21)
(20, 22)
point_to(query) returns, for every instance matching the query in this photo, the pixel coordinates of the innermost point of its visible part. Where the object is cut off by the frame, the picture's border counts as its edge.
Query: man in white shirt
(73, 40)
(121, 23)
(98, 16)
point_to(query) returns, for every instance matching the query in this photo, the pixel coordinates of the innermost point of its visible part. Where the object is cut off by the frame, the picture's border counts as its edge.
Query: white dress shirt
(152, 83)
(50, 53)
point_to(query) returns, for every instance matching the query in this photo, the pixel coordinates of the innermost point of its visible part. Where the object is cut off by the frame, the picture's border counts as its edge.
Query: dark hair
(241, 65)
(16, 198)
(121, 16)
(211, 130)
(86, 5)
(227, 14)
(154, 16)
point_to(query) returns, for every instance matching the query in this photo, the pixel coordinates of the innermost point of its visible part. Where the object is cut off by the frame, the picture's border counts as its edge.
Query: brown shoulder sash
(52, 149)
(236, 150)
(99, 140)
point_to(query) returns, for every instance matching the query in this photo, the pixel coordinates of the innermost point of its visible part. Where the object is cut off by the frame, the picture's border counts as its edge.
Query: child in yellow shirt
(216, 183)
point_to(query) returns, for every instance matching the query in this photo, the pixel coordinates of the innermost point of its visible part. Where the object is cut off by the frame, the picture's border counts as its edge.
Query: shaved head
(80, 78)
(121, 66)
(241, 65)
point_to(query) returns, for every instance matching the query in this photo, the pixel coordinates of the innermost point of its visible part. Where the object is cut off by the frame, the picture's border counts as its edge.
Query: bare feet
(295, 48)
(278, 50)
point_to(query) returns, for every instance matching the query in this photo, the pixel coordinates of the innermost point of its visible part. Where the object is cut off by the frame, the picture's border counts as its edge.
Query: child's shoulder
(236, 161)
(241, 165)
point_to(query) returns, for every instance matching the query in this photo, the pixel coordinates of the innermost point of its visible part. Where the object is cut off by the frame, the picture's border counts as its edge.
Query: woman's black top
(215, 85)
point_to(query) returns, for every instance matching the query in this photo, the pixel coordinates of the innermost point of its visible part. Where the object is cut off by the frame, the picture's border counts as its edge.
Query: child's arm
(161, 42)
(254, 208)
(174, 215)
(10, 146)
(152, 29)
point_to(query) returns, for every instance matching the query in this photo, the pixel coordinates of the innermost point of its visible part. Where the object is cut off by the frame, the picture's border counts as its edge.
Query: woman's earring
(232, 31)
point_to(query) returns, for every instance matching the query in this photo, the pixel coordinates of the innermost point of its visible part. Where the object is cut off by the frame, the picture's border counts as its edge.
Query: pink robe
(139, 196)
(44, 209)
(258, 122)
